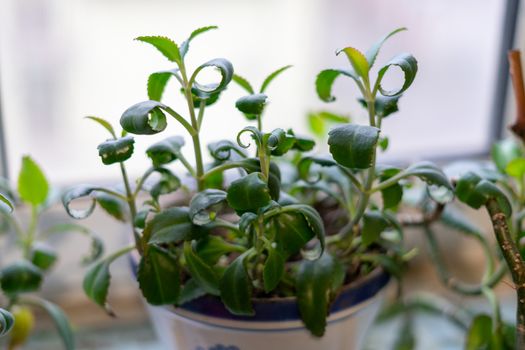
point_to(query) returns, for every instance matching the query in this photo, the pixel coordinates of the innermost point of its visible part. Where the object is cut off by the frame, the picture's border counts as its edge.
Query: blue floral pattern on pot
(219, 347)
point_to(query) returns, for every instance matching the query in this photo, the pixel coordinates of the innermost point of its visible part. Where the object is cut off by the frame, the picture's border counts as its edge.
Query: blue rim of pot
(285, 308)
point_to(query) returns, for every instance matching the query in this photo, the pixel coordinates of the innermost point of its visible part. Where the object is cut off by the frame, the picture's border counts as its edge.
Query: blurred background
(63, 60)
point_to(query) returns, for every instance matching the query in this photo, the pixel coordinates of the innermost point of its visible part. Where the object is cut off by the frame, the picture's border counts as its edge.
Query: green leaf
(157, 83)
(454, 218)
(80, 192)
(408, 64)
(225, 68)
(20, 277)
(480, 333)
(167, 183)
(272, 76)
(373, 224)
(222, 150)
(475, 192)
(201, 202)
(190, 291)
(43, 256)
(353, 146)
(317, 121)
(252, 105)
(504, 152)
(115, 207)
(432, 175)
(384, 105)
(406, 339)
(159, 276)
(200, 271)
(59, 319)
(317, 283)
(144, 118)
(372, 52)
(171, 226)
(5, 204)
(97, 246)
(248, 193)
(243, 83)
(325, 79)
(252, 165)
(184, 47)
(116, 151)
(212, 248)
(305, 164)
(166, 46)
(105, 124)
(292, 232)
(273, 269)
(236, 287)
(516, 168)
(6, 322)
(357, 60)
(303, 144)
(97, 279)
(33, 187)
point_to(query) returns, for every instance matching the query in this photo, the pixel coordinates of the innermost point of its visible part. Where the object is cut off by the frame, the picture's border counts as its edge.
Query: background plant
(22, 278)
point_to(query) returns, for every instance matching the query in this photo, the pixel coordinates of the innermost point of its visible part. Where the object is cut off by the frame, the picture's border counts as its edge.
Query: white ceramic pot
(204, 324)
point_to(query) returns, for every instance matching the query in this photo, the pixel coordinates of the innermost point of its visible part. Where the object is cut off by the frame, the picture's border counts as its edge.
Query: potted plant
(244, 253)
(22, 275)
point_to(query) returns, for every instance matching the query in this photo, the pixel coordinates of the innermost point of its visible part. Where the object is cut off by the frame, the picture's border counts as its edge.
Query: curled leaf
(116, 151)
(165, 151)
(225, 68)
(78, 192)
(222, 150)
(408, 64)
(144, 118)
(6, 322)
(252, 105)
(20, 277)
(201, 202)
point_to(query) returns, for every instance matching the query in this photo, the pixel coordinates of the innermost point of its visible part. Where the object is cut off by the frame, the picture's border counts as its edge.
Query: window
(62, 60)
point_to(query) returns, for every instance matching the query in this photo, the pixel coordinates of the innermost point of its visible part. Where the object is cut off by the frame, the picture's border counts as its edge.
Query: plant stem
(28, 242)
(370, 177)
(141, 182)
(195, 124)
(132, 207)
(515, 263)
(490, 277)
(221, 168)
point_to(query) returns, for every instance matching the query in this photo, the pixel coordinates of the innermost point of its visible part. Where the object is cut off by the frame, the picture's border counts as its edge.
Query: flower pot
(205, 324)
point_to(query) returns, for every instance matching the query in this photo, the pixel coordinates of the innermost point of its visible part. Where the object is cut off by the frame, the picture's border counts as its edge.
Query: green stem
(140, 184)
(370, 176)
(490, 278)
(221, 168)
(195, 125)
(187, 165)
(112, 193)
(30, 237)
(132, 207)
(191, 129)
(515, 263)
(200, 118)
(259, 122)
